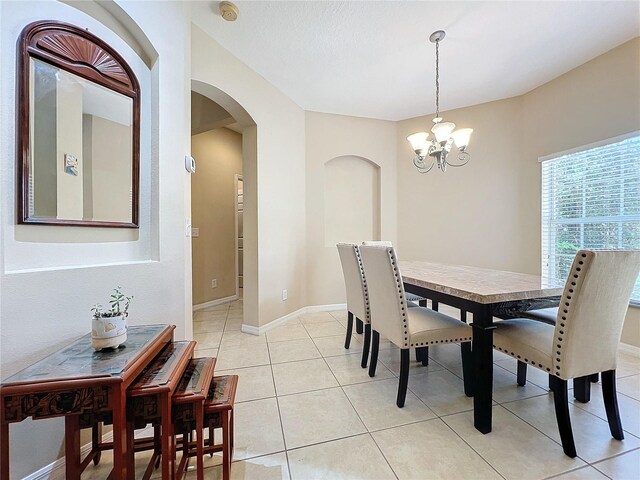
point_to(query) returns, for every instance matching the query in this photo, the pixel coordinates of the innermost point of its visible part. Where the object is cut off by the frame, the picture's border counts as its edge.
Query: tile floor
(306, 410)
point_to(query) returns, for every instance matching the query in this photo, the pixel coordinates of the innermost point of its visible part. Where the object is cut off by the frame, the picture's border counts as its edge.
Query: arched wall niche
(250, 176)
(351, 200)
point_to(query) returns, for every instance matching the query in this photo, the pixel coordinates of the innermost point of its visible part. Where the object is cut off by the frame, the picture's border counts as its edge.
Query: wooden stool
(188, 411)
(218, 413)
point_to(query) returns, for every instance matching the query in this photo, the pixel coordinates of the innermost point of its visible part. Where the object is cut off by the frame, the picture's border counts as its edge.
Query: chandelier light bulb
(461, 137)
(442, 131)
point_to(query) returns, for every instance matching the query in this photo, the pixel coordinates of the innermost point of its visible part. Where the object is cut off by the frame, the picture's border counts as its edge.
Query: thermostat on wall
(190, 164)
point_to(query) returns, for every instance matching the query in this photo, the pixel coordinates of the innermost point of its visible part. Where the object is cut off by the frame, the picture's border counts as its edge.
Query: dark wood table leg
(168, 456)
(227, 447)
(96, 440)
(72, 447)
(4, 451)
(200, 438)
(120, 433)
(483, 357)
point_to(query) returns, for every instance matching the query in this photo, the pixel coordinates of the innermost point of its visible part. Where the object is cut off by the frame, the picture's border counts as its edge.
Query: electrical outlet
(284, 295)
(214, 283)
(195, 232)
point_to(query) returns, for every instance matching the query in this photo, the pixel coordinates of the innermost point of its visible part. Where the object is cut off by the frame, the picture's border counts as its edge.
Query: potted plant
(109, 327)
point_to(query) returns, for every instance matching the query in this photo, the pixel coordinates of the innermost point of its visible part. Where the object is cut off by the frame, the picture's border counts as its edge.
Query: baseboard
(213, 303)
(252, 330)
(629, 349)
(56, 470)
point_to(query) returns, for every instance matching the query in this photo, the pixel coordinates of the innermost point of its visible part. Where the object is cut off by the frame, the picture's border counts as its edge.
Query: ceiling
(374, 59)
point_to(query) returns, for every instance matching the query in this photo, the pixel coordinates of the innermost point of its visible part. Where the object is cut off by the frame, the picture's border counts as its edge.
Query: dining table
(485, 294)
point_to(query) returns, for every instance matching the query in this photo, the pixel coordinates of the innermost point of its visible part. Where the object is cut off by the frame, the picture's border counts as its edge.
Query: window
(590, 199)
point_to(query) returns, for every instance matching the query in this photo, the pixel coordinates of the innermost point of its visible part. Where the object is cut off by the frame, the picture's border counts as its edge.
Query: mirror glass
(81, 148)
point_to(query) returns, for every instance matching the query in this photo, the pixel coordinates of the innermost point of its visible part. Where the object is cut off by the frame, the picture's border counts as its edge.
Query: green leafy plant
(119, 305)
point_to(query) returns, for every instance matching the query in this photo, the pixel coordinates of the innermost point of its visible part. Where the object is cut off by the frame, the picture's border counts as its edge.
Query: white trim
(56, 469)
(253, 330)
(213, 303)
(601, 143)
(629, 349)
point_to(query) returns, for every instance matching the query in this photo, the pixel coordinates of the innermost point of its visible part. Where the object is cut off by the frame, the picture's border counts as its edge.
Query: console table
(78, 380)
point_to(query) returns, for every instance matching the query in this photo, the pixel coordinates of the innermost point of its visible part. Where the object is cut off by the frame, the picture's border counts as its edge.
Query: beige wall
(488, 213)
(218, 155)
(363, 150)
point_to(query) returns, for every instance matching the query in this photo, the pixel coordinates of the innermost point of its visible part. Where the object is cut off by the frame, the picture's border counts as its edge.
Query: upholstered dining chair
(406, 327)
(357, 295)
(581, 386)
(585, 338)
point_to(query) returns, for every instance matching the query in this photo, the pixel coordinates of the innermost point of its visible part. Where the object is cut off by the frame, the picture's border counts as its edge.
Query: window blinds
(590, 199)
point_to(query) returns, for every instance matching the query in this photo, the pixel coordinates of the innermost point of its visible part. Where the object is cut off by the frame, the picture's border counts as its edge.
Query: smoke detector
(229, 11)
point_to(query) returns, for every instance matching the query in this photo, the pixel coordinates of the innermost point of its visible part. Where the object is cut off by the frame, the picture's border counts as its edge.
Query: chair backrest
(592, 311)
(386, 293)
(354, 281)
(380, 243)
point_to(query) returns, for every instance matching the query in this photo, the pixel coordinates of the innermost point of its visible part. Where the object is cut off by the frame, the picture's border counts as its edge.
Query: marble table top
(479, 285)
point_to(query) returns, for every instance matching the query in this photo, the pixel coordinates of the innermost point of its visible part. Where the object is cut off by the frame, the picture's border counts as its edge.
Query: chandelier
(445, 136)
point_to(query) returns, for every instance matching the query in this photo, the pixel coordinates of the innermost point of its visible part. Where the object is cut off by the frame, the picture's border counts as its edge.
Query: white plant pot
(108, 332)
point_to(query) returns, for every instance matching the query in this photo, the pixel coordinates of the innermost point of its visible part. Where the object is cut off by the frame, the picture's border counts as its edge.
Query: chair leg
(375, 346)
(582, 389)
(347, 340)
(365, 346)
(610, 398)
(595, 378)
(467, 368)
(522, 373)
(404, 377)
(422, 355)
(561, 401)
(422, 303)
(359, 326)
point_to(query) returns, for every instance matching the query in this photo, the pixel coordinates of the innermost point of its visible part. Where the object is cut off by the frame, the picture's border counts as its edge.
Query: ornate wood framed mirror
(78, 130)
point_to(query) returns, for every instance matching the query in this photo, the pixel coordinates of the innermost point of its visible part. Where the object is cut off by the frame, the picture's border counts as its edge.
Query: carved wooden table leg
(120, 433)
(168, 468)
(72, 447)
(200, 438)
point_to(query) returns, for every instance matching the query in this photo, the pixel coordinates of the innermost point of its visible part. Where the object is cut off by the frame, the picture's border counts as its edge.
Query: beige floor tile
(348, 371)
(288, 331)
(591, 434)
(233, 324)
(240, 357)
(334, 345)
(208, 340)
(269, 467)
(584, 473)
(375, 403)
(223, 307)
(627, 365)
(446, 355)
(316, 317)
(346, 459)
(205, 352)
(238, 338)
(534, 375)
(390, 358)
(304, 376)
(209, 325)
(257, 429)
(254, 383)
(293, 351)
(629, 386)
(102, 470)
(430, 450)
(340, 316)
(206, 316)
(325, 329)
(514, 448)
(318, 416)
(442, 391)
(623, 467)
(506, 388)
(629, 409)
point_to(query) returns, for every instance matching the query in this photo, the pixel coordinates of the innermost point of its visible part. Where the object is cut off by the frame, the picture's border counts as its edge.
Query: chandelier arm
(464, 157)
(421, 166)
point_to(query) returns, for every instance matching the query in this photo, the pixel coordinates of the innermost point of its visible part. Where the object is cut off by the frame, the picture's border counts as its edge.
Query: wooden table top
(480, 285)
(79, 361)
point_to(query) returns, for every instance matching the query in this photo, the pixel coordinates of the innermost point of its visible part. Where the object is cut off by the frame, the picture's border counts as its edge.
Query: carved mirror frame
(81, 53)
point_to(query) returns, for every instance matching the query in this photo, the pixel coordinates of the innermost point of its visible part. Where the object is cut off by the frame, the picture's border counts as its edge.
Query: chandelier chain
(437, 79)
